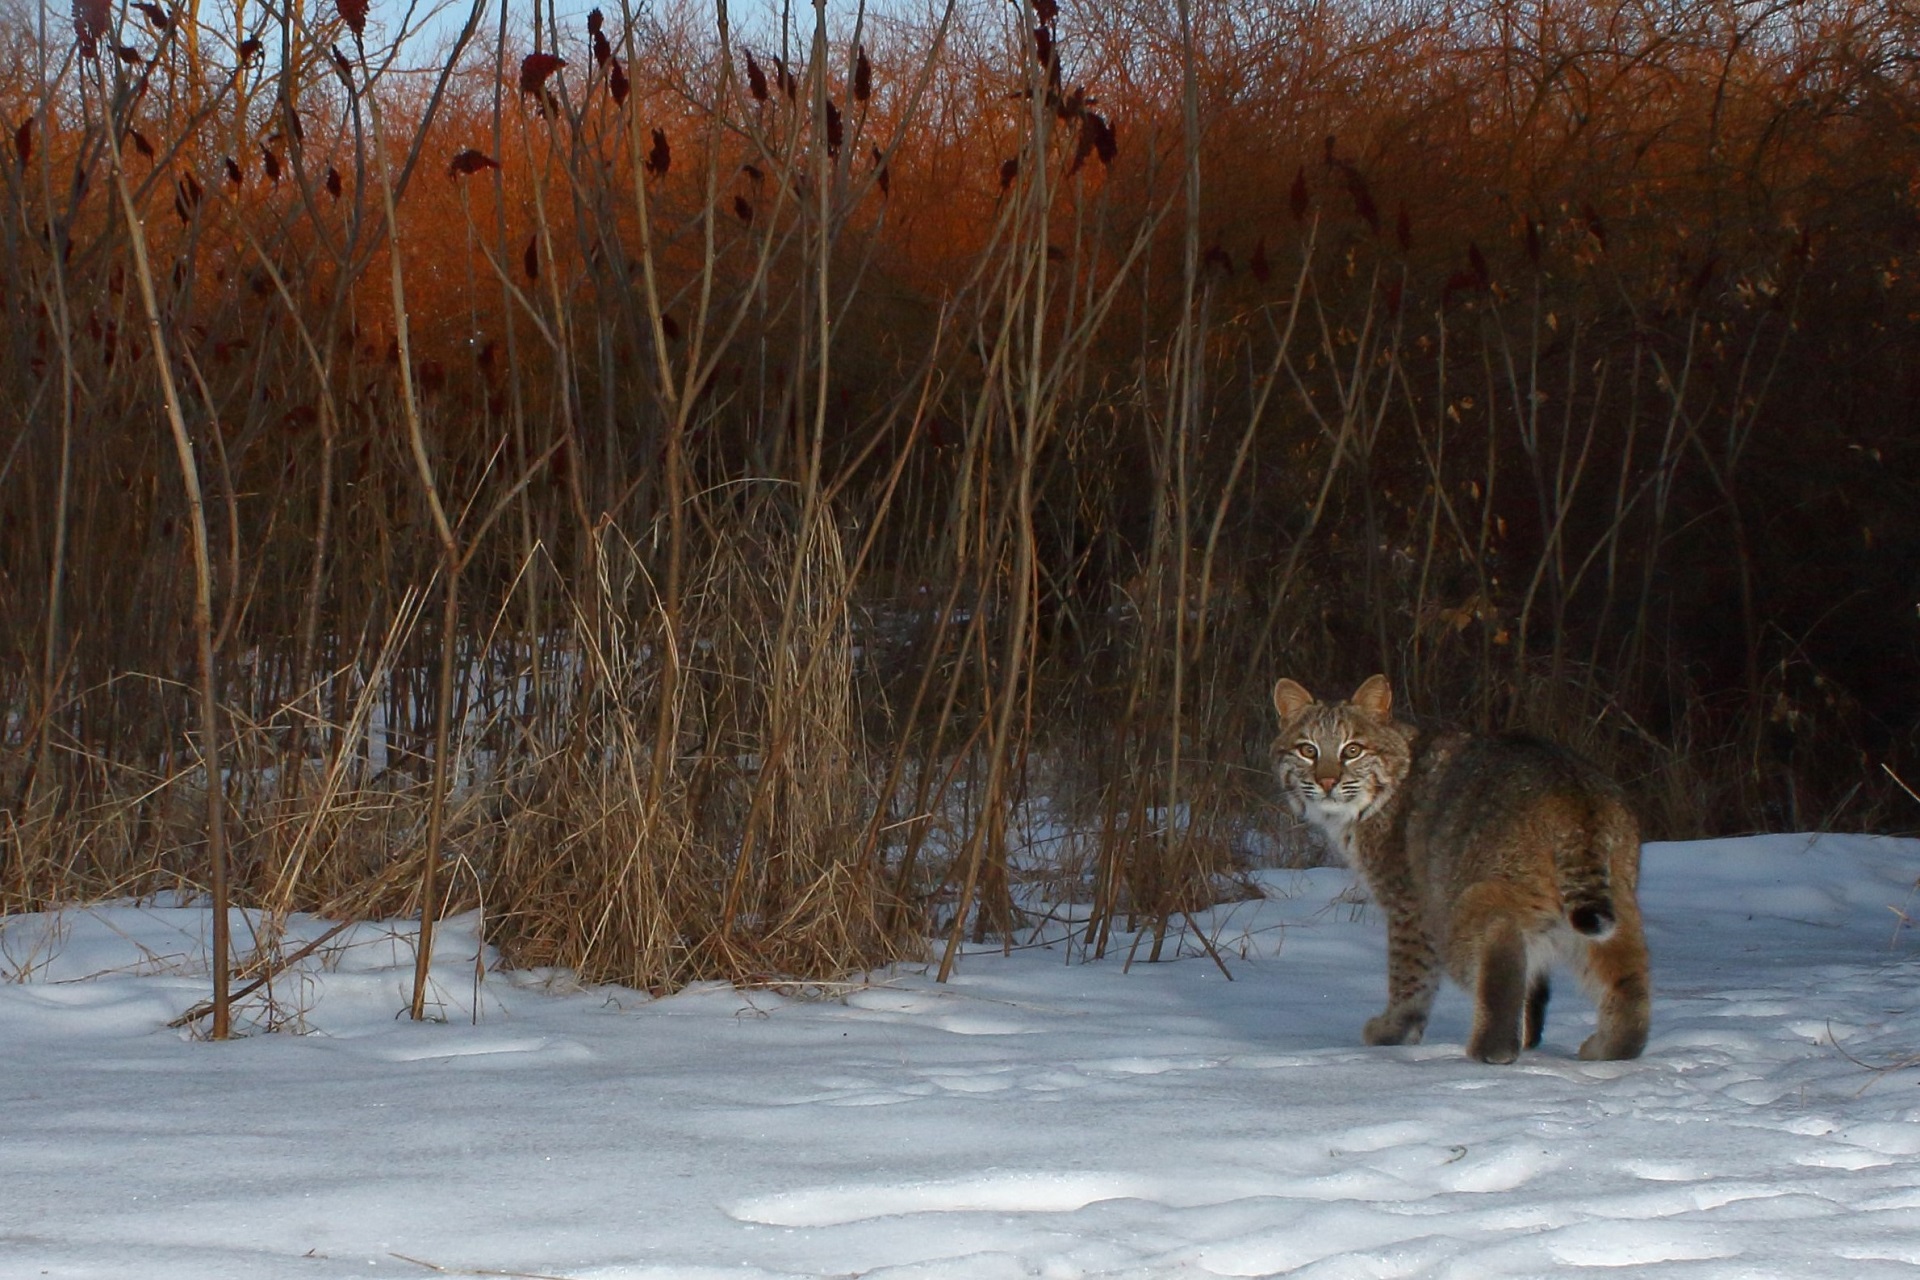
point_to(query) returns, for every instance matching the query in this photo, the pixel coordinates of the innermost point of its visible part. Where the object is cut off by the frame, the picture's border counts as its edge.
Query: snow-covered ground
(1038, 1116)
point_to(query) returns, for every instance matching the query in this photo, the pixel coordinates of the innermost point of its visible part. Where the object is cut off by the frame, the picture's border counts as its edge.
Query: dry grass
(687, 519)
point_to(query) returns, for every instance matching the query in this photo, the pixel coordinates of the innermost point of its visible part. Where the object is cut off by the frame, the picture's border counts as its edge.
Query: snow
(1037, 1117)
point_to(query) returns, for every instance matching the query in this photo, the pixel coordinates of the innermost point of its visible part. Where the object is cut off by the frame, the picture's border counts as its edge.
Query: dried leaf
(742, 210)
(534, 70)
(1107, 144)
(186, 197)
(1477, 263)
(659, 155)
(1299, 199)
(23, 141)
(1363, 204)
(354, 14)
(470, 161)
(333, 182)
(670, 327)
(343, 66)
(251, 51)
(595, 21)
(1046, 10)
(1009, 170)
(127, 54)
(235, 174)
(1043, 46)
(159, 17)
(1218, 259)
(836, 132)
(531, 258)
(602, 51)
(618, 83)
(91, 18)
(862, 76)
(756, 79)
(787, 82)
(271, 164)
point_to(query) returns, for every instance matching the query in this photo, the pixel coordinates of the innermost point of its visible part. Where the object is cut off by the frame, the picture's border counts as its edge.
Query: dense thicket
(802, 445)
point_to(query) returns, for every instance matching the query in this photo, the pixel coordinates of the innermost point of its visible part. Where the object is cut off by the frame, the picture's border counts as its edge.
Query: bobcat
(1490, 856)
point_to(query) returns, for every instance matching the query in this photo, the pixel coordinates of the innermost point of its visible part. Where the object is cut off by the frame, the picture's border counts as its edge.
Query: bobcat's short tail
(1586, 890)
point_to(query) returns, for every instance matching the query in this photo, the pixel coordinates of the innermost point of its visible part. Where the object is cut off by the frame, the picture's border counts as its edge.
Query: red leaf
(333, 182)
(836, 132)
(159, 17)
(127, 54)
(617, 81)
(531, 258)
(251, 50)
(595, 21)
(862, 76)
(602, 51)
(1009, 170)
(234, 173)
(140, 143)
(1046, 10)
(91, 18)
(659, 156)
(756, 79)
(23, 141)
(470, 161)
(534, 70)
(670, 327)
(354, 14)
(787, 83)
(742, 210)
(271, 163)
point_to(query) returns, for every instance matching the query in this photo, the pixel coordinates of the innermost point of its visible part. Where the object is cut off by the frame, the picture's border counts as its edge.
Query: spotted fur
(1492, 858)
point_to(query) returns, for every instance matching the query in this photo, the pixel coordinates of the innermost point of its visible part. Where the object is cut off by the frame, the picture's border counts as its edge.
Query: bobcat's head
(1338, 762)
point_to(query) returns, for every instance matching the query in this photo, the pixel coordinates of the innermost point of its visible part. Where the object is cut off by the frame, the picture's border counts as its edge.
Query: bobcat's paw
(1394, 1028)
(1495, 1047)
(1603, 1046)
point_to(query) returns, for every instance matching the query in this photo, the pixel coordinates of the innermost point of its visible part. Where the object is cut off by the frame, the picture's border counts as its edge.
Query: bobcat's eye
(1306, 751)
(1352, 751)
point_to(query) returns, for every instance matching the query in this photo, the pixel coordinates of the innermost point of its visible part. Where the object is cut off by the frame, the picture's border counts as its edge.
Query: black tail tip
(1595, 922)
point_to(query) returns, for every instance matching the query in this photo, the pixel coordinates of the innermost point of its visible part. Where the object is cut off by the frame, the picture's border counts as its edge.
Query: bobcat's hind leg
(1500, 997)
(1413, 978)
(1617, 974)
(1535, 1020)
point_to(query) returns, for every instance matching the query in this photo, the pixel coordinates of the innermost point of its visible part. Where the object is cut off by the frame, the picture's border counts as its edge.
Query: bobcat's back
(1527, 815)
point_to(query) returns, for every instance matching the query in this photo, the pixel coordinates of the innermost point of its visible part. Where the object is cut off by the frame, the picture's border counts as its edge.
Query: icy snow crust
(1035, 1117)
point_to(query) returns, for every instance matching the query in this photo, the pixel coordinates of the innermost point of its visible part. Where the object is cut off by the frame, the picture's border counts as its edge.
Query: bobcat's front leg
(1413, 976)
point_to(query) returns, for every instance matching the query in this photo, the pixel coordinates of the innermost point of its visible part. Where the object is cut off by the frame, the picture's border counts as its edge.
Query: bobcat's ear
(1375, 697)
(1290, 698)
